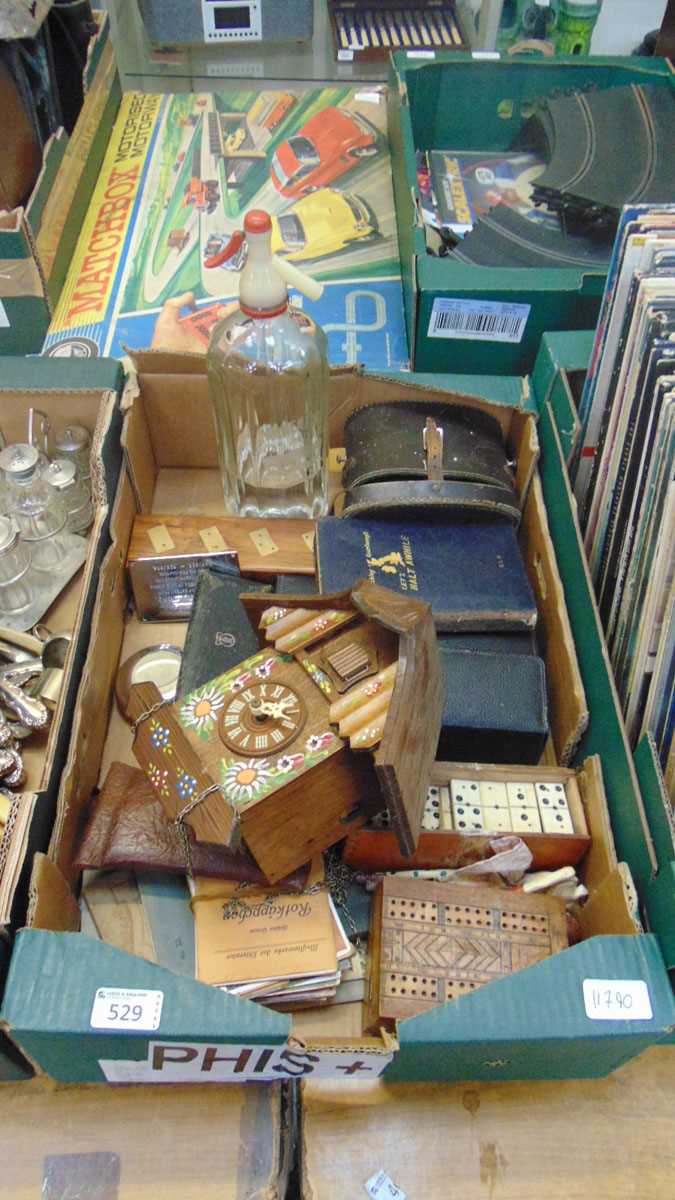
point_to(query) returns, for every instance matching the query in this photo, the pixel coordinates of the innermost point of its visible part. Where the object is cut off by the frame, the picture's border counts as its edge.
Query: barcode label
(479, 320)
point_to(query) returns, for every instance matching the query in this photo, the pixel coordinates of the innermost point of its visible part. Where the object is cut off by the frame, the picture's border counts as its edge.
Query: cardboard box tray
(641, 811)
(87, 394)
(505, 1029)
(37, 240)
(456, 103)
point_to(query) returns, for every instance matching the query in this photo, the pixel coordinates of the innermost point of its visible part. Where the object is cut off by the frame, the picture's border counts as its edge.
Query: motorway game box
(180, 172)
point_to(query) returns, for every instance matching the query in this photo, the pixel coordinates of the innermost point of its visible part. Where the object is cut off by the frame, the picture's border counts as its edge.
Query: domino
(521, 795)
(446, 808)
(551, 795)
(525, 820)
(468, 818)
(465, 791)
(431, 817)
(556, 820)
(497, 820)
(493, 795)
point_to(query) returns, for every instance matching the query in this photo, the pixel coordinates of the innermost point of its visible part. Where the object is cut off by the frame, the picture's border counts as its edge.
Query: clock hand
(274, 708)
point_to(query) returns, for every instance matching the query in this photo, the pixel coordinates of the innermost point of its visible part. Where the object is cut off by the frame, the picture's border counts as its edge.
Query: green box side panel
(402, 151)
(605, 734)
(480, 105)
(533, 1025)
(660, 900)
(50, 991)
(565, 350)
(29, 319)
(573, 303)
(82, 197)
(42, 191)
(497, 389)
(13, 1065)
(61, 374)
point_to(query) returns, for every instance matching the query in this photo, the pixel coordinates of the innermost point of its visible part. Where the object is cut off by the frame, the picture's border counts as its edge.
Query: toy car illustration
(202, 194)
(178, 239)
(323, 223)
(328, 144)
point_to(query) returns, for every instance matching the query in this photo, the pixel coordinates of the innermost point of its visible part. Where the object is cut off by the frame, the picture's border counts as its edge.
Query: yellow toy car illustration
(322, 223)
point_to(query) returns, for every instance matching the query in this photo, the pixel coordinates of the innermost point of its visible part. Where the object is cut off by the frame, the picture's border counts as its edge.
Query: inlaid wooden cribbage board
(432, 942)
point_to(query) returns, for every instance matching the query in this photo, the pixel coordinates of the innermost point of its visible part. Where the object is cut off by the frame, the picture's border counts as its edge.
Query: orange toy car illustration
(202, 194)
(278, 111)
(329, 144)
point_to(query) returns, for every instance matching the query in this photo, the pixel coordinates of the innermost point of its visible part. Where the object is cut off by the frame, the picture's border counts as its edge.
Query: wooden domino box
(468, 805)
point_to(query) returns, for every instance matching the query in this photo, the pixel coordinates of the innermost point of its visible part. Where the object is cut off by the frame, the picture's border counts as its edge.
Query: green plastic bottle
(576, 22)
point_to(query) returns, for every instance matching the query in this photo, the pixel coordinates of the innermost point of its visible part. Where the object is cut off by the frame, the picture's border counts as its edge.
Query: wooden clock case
(287, 807)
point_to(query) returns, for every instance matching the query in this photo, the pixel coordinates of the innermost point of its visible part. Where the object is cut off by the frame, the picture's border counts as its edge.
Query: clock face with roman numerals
(262, 719)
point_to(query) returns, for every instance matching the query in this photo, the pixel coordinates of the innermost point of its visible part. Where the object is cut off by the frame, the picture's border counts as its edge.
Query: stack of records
(624, 469)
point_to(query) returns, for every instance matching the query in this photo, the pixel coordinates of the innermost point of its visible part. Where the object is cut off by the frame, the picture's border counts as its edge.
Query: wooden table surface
(606, 1139)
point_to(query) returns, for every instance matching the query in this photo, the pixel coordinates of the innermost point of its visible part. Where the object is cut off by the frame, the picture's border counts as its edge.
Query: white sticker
(126, 1008)
(488, 55)
(617, 1000)
(202, 1062)
(345, 55)
(420, 54)
(4, 319)
(478, 320)
(381, 1187)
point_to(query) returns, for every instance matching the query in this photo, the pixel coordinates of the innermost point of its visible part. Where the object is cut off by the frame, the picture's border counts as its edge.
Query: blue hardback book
(473, 575)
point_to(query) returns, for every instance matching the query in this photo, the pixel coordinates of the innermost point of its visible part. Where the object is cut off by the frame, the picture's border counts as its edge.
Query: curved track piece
(505, 239)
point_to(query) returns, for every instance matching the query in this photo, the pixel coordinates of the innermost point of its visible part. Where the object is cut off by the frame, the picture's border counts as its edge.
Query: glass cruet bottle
(63, 476)
(16, 591)
(74, 442)
(39, 514)
(268, 377)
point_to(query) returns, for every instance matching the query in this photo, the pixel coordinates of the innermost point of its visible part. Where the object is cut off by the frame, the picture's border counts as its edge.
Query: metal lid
(60, 473)
(158, 664)
(71, 438)
(9, 534)
(19, 461)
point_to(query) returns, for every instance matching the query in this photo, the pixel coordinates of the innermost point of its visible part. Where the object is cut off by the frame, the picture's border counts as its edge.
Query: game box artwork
(179, 174)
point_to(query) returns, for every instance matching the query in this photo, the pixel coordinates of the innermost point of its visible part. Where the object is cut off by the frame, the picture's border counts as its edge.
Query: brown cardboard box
(171, 457)
(96, 408)
(144, 1143)
(566, 1140)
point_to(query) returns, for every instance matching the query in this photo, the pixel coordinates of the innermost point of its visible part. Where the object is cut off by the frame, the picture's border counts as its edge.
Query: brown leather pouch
(128, 827)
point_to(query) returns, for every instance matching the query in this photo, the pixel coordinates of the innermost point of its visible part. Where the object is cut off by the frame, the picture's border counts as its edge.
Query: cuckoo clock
(305, 739)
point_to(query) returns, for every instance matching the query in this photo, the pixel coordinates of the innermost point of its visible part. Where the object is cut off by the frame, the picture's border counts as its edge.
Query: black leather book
(219, 634)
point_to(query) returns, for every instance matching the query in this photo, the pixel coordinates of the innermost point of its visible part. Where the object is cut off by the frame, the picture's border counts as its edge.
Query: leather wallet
(128, 827)
(219, 635)
(495, 707)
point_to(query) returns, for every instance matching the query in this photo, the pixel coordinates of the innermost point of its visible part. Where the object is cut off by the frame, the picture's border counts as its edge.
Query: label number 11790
(617, 1000)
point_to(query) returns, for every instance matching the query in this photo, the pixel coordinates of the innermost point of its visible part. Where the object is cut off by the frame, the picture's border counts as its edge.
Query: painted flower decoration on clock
(201, 710)
(245, 780)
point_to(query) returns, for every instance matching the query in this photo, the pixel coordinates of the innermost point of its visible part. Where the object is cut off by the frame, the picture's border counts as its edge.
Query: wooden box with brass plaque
(166, 554)
(310, 736)
(432, 942)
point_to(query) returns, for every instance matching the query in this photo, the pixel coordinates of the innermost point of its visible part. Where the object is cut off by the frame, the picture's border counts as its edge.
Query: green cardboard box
(87, 392)
(37, 240)
(640, 809)
(62, 1001)
(454, 102)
